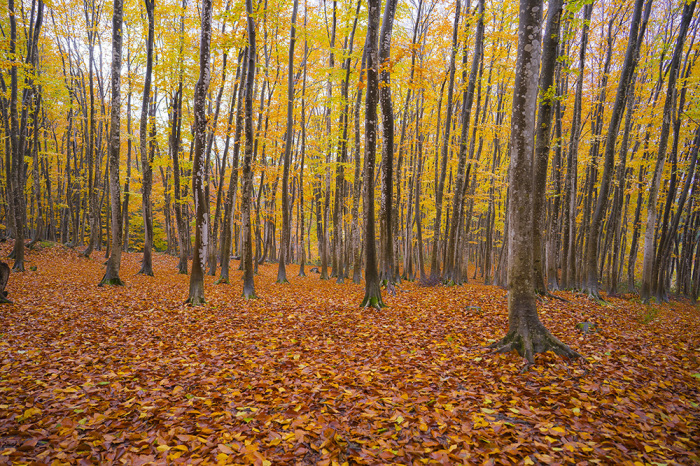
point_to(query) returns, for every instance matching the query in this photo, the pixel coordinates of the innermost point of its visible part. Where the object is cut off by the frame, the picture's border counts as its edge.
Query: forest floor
(130, 375)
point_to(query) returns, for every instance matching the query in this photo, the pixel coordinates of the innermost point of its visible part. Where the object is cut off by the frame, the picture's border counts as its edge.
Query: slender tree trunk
(649, 240)
(146, 161)
(196, 296)
(628, 67)
(357, 183)
(550, 47)
(175, 140)
(111, 276)
(434, 266)
(127, 182)
(387, 142)
(247, 172)
(230, 202)
(373, 297)
(452, 273)
(302, 263)
(570, 280)
(289, 141)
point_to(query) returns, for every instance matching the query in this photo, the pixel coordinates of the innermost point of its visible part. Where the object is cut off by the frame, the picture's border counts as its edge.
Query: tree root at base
(529, 343)
(111, 281)
(372, 302)
(196, 301)
(548, 294)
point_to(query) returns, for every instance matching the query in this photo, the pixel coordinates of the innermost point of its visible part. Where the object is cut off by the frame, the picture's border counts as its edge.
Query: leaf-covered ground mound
(129, 375)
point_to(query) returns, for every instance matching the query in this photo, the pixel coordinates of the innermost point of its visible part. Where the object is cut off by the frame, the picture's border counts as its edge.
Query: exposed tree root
(529, 340)
(547, 294)
(372, 302)
(196, 301)
(116, 281)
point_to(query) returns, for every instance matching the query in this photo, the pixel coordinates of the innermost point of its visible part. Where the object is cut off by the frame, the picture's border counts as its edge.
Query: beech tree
(526, 333)
(196, 296)
(648, 290)
(373, 296)
(146, 157)
(248, 284)
(388, 273)
(281, 271)
(596, 169)
(111, 276)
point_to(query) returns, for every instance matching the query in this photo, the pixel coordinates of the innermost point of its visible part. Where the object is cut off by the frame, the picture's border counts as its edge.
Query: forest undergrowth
(131, 375)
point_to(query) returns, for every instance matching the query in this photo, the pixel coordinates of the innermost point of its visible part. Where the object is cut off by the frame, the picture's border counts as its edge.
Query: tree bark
(569, 274)
(434, 266)
(628, 67)
(452, 273)
(111, 276)
(550, 47)
(649, 240)
(146, 160)
(373, 296)
(387, 168)
(247, 172)
(526, 334)
(196, 296)
(289, 141)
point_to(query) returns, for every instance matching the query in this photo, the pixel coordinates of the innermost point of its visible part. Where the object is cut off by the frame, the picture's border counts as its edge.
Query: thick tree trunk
(526, 334)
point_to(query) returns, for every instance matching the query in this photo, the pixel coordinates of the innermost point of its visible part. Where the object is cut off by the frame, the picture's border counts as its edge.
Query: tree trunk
(630, 63)
(550, 47)
(373, 297)
(526, 334)
(289, 141)
(386, 235)
(196, 296)
(302, 262)
(569, 275)
(247, 172)
(111, 276)
(146, 160)
(649, 240)
(230, 202)
(452, 273)
(434, 267)
(175, 139)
